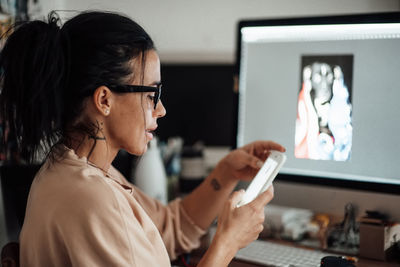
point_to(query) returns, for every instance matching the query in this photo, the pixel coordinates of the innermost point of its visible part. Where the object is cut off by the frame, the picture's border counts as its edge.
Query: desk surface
(362, 262)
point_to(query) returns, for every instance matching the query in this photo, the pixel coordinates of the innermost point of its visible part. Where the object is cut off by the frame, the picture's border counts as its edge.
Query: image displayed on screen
(324, 108)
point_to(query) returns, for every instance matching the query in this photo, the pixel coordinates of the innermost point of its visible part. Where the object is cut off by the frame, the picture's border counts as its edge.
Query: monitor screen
(327, 88)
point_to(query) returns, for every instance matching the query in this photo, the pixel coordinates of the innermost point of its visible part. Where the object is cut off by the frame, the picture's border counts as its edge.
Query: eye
(151, 96)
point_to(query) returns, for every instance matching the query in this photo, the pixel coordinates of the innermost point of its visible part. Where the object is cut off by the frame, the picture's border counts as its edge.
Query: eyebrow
(156, 83)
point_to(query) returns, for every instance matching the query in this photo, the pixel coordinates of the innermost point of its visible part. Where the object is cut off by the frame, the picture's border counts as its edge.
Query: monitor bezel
(387, 17)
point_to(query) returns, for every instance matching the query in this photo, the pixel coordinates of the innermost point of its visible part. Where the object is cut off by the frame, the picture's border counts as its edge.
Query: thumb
(263, 198)
(235, 198)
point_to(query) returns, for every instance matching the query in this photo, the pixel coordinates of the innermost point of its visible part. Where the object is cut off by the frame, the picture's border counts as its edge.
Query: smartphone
(264, 177)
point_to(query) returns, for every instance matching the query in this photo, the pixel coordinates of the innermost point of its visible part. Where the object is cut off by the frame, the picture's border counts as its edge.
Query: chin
(137, 145)
(144, 149)
(137, 150)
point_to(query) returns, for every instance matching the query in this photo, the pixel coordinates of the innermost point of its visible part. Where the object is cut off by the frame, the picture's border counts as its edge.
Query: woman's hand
(243, 163)
(208, 199)
(237, 227)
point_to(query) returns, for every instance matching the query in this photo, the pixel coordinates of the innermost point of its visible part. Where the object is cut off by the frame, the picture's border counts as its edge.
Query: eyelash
(151, 97)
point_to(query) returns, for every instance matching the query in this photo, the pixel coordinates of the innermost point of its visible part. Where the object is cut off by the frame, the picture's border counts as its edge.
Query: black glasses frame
(138, 89)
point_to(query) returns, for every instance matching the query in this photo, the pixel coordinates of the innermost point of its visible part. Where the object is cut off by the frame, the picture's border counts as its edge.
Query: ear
(102, 100)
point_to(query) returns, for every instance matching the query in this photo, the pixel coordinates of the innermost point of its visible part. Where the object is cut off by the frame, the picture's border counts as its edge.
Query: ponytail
(33, 75)
(46, 73)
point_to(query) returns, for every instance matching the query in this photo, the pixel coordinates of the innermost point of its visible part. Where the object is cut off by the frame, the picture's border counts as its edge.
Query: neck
(96, 149)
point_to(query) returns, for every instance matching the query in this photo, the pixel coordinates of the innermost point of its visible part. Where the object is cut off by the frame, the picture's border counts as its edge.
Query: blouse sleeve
(178, 231)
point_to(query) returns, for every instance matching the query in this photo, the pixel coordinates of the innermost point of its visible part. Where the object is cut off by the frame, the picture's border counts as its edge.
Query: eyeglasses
(138, 89)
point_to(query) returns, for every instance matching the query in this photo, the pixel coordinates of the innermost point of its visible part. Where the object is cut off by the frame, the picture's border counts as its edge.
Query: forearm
(218, 254)
(206, 201)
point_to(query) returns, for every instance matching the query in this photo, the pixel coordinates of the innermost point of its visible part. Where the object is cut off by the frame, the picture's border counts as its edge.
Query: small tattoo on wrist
(215, 184)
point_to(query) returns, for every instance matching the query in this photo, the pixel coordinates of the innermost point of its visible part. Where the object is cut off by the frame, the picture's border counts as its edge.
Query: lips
(149, 135)
(150, 132)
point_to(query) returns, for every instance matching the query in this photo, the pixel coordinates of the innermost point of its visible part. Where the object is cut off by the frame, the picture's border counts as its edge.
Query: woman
(91, 88)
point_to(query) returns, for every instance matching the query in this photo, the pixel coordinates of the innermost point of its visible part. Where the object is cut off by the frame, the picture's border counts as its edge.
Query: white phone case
(264, 177)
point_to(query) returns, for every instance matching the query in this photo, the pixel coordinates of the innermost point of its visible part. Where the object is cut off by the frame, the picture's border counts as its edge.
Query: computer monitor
(328, 89)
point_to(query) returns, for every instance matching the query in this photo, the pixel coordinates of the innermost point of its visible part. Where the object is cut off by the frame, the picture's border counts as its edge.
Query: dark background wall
(200, 104)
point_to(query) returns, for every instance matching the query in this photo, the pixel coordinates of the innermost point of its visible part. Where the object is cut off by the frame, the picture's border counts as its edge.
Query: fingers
(248, 160)
(261, 146)
(254, 154)
(263, 198)
(235, 198)
(253, 161)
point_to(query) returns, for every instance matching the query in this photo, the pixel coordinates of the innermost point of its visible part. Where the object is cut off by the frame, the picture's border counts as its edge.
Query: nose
(160, 110)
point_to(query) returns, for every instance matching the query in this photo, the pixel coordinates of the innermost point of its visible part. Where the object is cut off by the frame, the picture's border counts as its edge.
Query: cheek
(149, 117)
(136, 125)
(139, 121)
(132, 137)
(127, 121)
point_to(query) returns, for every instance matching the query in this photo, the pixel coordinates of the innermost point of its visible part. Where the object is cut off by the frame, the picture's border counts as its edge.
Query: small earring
(107, 111)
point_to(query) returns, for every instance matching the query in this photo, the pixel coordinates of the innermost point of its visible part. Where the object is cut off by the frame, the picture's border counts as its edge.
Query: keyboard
(267, 253)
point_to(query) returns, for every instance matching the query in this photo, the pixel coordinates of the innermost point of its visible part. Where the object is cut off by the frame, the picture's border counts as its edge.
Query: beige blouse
(77, 216)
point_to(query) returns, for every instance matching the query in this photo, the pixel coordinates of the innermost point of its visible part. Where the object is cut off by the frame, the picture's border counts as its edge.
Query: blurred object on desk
(149, 174)
(334, 261)
(345, 236)
(171, 154)
(321, 223)
(193, 170)
(287, 222)
(213, 154)
(379, 238)
(197, 162)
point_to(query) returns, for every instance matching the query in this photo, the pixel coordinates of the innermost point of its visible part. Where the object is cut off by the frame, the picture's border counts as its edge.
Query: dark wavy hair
(47, 71)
